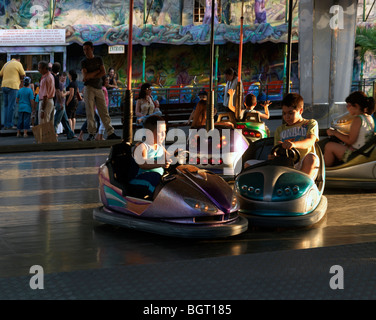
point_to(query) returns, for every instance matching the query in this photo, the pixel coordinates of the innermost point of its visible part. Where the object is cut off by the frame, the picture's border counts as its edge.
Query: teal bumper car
(272, 193)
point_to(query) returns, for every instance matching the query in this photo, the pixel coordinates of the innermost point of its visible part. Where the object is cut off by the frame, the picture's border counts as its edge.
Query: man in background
(12, 74)
(46, 93)
(93, 71)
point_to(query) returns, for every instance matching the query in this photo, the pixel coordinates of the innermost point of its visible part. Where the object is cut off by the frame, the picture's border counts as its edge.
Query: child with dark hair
(25, 100)
(250, 103)
(150, 155)
(199, 115)
(361, 130)
(298, 133)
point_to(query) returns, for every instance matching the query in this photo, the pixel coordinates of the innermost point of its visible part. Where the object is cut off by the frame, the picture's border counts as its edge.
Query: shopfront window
(199, 10)
(30, 62)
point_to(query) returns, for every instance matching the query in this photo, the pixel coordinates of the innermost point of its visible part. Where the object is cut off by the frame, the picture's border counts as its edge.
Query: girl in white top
(361, 130)
(145, 105)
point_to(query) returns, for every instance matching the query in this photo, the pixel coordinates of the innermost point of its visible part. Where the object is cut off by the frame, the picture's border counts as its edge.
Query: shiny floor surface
(46, 204)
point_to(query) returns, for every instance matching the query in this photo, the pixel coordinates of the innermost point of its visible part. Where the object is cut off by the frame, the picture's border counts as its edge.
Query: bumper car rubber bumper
(179, 230)
(289, 221)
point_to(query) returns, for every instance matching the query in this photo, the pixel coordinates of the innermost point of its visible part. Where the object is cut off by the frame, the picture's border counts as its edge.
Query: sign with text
(116, 49)
(32, 37)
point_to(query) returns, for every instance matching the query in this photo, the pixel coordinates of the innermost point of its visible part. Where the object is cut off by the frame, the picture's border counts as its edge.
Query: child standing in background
(25, 100)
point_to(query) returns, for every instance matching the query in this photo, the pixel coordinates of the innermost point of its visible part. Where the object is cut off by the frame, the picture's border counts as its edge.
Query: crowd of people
(53, 100)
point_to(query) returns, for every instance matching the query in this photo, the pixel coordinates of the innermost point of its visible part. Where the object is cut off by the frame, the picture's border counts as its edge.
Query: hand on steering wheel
(279, 151)
(181, 157)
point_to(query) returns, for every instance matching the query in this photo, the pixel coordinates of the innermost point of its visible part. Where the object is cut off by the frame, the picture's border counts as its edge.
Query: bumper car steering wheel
(181, 158)
(279, 151)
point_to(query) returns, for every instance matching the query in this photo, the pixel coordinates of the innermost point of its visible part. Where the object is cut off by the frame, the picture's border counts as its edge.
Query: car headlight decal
(291, 185)
(251, 186)
(200, 205)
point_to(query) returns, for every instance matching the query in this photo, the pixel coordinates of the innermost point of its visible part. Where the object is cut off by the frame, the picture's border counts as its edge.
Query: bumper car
(360, 169)
(272, 193)
(252, 127)
(187, 203)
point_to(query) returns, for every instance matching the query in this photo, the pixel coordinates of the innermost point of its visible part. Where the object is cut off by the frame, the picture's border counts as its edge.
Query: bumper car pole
(210, 106)
(128, 106)
(289, 49)
(239, 96)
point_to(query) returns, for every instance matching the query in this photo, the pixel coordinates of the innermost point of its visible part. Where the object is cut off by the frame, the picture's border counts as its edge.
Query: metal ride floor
(46, 205)
(291, 274)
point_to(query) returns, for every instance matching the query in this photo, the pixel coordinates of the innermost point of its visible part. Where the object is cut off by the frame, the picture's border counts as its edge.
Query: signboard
(116, 49)
(32, 37)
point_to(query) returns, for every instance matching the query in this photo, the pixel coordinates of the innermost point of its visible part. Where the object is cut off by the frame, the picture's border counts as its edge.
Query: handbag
(45, 132)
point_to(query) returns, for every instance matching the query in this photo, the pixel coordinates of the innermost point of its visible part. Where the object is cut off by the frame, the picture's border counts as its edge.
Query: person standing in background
(71, 100)
(12, 74)
(93, 71)
(25, 99)
(46, 93)
(231, 83)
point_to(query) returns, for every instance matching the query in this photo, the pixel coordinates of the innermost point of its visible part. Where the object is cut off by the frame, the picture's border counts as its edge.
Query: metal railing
(189, 94)
(366, 85)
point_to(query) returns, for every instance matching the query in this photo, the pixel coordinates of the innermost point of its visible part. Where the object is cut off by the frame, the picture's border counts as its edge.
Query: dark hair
(250, 100)
(293, 100)
(199, 116)
(56, 67)
(73, 74)
(88, 43)
(43, 64)
(230, 71)
(151, 122)
(26, 81)
(366, 104)
(142, 94)
(202, 93)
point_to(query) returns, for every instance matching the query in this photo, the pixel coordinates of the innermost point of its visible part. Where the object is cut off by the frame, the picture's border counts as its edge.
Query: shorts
(347, 154)
(298, 165)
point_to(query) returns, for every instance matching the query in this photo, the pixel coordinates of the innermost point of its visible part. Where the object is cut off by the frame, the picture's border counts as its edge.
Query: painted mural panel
(167, 21)
(171, 22)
